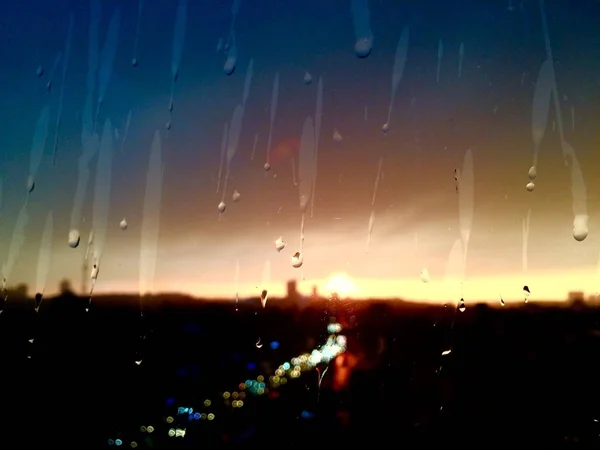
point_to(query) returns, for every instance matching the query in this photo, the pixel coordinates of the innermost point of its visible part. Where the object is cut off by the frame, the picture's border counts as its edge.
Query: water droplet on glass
(168, 125)
(222, 207)
(297, 260)
(263, 297)
(385, 128)
(236, 196)
(425, 275)
(279, 244)
(258, 344)
(40, 71)
(307, 78)
(530, 186)
(337, 137)
(30, 183)
(363, 47)
(229, 66)
(95, 271)
(502, 301)
(49, 86)
(170, 105)
(123, 224)
(74, 238)
(532, 174)
(134, 62)
(267, 167)
(527, 292)
(580, 227)
(461, 305)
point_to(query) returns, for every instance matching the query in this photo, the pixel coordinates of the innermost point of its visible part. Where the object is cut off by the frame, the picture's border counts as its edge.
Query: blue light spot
(111, 442)
(170, 401)
(197, 416)
(274, 345)
(286, 366)
(118, 442)
(307, 415)
(249, 383)
(251, 366)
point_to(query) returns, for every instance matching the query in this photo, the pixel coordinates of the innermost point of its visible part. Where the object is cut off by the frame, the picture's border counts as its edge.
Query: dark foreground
(108, 377)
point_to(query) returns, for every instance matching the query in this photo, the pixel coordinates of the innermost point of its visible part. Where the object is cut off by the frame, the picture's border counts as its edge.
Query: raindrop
(222, 207)
(532, 173)
(337, 137)
(95, 271)
(527, 292)
(461, 305)
(123, 224)
(134, 62)
(30, 183)
(236, 196)
(229, 66)
(307, 78)
(263, 297)
(580, 227)
(74, 238)
(49, 86)
(40, 71)
(363, 47)
(385, 128)
(502, 301)
(279, 244)
(258, 344)
(267, 167)
(530, 186)
(425, 275)
(168, 125)
(297, 260)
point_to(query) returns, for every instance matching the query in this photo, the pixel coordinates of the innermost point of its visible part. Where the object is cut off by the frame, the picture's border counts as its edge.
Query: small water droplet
(502, 301)
(580, 227)
(170, 105)
(337, 137)
(532, 174)
(229, 66)
(30, 183)
(49, 86)
(264, 295)
(425, 275)
(461, 305)
(363, 46)
(74, 238)
(297, 260)
(307, 78)
(385, 128)
(134, 62)
(267, 167)
(95, 271)
(236, 196)
(258, 344)
(221, 207)
(39, 72)
(279, 244)
(123, 224)
(527, 293)
(168, 125)
(530, 186)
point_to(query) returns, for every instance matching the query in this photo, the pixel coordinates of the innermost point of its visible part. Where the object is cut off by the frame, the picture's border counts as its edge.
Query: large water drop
(307, 78)
(580, 227)
(297, 260)
(221, 207)
(363, 46)
(532, 174)
(236, 196)
(123, 224)
(530, 186)
(279, 244)
(74, 238)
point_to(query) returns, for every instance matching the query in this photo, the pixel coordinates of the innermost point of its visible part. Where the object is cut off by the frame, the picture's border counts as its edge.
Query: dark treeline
(526, 374)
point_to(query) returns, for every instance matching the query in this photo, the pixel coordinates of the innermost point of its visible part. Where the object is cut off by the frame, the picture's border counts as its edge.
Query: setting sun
(341, 285)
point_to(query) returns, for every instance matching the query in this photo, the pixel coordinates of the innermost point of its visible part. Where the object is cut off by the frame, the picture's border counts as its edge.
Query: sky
(406, 129)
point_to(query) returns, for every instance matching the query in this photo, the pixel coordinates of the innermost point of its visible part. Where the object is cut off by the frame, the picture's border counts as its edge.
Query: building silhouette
(292, 290)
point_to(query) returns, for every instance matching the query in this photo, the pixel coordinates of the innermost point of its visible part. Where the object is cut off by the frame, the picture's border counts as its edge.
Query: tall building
(292, 289)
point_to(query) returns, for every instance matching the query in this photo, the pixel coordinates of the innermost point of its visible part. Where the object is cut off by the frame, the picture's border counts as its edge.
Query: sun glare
(340, 284)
